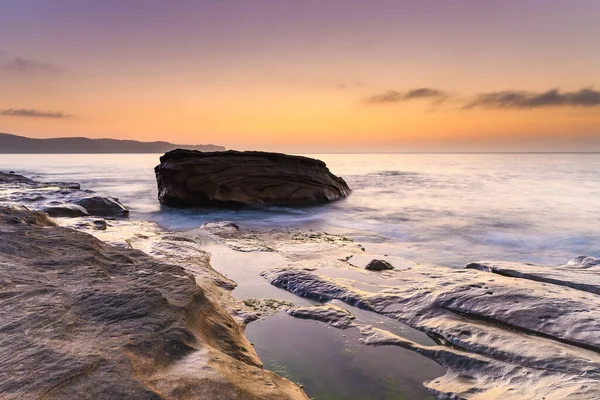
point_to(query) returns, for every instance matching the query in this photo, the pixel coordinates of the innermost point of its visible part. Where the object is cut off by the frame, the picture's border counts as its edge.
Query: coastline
(83, 318)
(504, 330)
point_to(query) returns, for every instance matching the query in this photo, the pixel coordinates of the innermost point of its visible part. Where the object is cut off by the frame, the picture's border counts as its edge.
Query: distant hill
(13, 144)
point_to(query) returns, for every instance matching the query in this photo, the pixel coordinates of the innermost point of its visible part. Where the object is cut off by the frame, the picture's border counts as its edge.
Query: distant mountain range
(13, 144)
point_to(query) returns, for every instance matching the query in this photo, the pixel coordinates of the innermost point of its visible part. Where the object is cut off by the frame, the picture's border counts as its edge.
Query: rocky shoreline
(136, 310)
(503, 330)
(85, 319)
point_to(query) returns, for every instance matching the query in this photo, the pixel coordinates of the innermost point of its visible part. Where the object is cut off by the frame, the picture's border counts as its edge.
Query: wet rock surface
(99, 224)
(497, 336)
(103, 206)
(231, 179)
(264, 307)
(581, 273)
(65, 210)
(58, 199)
(331, 314)
(83, 319)
(12, 178)
(504, 330)
(220, 226)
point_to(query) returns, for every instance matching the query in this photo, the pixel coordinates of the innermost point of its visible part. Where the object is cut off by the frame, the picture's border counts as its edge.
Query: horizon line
(351, 152)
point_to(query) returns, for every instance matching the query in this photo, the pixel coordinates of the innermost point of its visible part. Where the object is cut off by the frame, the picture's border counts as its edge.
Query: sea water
(449, 209)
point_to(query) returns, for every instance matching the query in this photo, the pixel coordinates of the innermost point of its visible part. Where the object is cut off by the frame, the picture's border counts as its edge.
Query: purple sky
(263, 69)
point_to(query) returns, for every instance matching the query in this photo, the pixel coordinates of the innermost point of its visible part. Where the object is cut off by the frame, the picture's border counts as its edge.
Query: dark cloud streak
(21, 66)
(31, 113)
(393, 96)
(512, 99)
(507, 99)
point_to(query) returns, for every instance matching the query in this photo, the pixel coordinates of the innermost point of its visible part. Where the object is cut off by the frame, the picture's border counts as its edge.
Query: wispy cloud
(525, 100)
(392, 96)
(22, 66)
(352, 85)
(31, 113)
(507, 99)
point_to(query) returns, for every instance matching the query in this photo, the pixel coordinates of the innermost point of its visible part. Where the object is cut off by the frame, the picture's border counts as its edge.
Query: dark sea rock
(11, 177)
(379, 265)
(65, 210)
(99, 224)
(231, 179)
(103, 206)
(58, 199)
(85, 320)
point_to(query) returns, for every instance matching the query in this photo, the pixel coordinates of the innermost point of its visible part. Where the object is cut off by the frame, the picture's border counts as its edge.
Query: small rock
(379, 265)
(220, 226)
(99, 224)
(65, 210)
(103, 206)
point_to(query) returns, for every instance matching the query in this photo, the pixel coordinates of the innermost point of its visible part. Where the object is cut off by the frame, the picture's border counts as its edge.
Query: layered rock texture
(502, 330)
(57, 199)
(85, 320)
(505, 330)
(231, 179)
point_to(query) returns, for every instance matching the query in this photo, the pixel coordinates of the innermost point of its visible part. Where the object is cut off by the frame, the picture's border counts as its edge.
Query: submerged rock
(28, 182)
(83, 319)
(262, 308)
(231, 179)
(379, 265)
(58, 199)
(11, 177)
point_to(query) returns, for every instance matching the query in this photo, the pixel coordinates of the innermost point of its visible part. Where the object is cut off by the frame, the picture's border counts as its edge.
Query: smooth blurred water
(449, 209)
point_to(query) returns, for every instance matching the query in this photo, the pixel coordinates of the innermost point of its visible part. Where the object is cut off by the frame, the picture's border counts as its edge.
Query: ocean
(449, 209)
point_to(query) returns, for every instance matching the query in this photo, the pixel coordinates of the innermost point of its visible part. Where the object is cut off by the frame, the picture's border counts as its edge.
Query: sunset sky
(306, 75)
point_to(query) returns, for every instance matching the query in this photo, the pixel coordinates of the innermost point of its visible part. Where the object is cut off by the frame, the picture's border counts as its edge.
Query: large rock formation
(85, 320)
(227, 179)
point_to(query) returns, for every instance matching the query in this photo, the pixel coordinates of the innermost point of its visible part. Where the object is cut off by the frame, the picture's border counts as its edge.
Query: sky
(306, 75)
